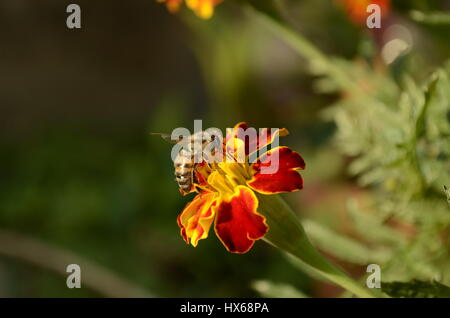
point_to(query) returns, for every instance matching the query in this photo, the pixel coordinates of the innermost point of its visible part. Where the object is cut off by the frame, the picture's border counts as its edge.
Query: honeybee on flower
(226, 189)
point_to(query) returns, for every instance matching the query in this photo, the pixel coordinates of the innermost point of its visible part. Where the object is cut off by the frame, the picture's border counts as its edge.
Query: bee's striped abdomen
(184, 168)
(186, 159)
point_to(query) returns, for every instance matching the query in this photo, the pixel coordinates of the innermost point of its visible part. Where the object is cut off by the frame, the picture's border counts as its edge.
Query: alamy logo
(74, 279)
(374, 279)
(73, 21)
(239, 146)
(374, 19)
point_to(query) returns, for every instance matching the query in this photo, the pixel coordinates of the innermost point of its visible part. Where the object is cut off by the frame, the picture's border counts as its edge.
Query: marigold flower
(226, 191)
(357, 9)
(203, 8)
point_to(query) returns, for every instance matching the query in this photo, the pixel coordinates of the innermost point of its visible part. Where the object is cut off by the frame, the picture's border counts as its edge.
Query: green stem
(287, 233)
(419, 132)
(269, 14)
(272, 21)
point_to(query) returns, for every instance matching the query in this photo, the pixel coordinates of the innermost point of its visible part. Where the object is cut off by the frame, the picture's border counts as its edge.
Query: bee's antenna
(166, 137)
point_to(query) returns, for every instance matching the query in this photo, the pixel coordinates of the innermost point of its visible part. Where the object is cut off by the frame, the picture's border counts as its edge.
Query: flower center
(226, 176)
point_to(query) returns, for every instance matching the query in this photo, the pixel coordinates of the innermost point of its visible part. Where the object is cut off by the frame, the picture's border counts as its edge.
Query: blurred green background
(81, 179)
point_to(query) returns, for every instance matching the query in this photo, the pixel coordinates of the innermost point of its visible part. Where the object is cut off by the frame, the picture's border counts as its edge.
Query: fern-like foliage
(416, 289)
(399, 139)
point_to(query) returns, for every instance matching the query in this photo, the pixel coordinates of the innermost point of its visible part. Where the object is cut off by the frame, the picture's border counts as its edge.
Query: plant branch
(40, 254)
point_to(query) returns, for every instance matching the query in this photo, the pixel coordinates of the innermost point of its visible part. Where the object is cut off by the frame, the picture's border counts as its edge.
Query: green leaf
(371, 227)
(287, 233)
(429, 93)
(270, 289)
(416, 289)
(431, 17)
(269, 7)
(340, 246)
(447, 192)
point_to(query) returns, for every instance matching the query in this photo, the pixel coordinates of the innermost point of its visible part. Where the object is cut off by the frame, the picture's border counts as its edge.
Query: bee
(188, 157)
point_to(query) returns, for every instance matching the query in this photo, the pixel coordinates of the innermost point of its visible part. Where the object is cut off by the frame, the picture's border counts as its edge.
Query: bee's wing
(166, 137)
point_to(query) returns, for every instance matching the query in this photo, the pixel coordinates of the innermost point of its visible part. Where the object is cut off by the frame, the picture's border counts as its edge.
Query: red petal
(276, 172)
(238, 224)
(196, 218)
(232, 133)
(253, 139)
(202, 171)
(266, 136)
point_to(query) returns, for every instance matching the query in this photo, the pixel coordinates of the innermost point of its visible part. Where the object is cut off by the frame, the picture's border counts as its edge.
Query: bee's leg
(205, 157)
(200, 188)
